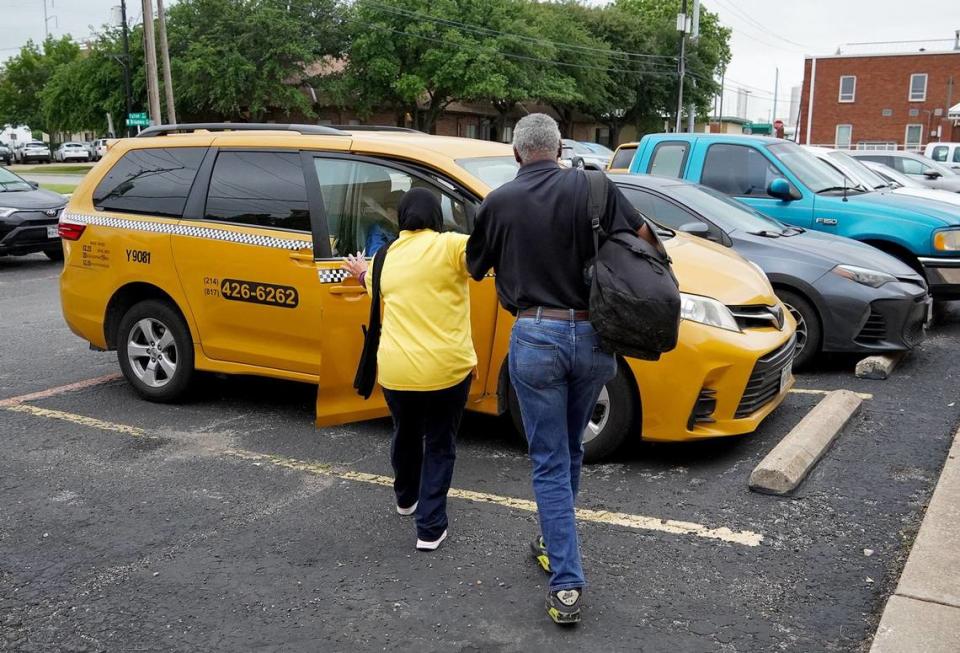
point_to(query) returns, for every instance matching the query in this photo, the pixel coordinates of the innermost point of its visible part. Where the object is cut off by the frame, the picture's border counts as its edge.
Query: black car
(28, 218)
(6, 154)
(846, 296)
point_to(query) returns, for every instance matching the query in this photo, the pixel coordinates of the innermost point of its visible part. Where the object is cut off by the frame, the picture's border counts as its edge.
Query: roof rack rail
(374, 128)
(163, 130)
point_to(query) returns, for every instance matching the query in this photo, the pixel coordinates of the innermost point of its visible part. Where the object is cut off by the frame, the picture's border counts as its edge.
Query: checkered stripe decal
(187, 230)
(332, 276)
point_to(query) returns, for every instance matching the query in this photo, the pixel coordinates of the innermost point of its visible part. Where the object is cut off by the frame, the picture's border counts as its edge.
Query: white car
(32, 151)
(71, 151)
(99, 149)
(946, 153)
(901, 184)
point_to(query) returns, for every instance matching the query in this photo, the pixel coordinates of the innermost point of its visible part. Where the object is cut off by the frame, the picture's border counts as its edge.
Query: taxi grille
(764, 384)
(757, 316)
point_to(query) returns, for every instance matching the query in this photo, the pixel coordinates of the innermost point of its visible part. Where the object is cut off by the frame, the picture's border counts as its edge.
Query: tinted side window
(623, 157)
(956, 154)
(154, 181)
(668, 159)
(939, 153)
(658, 209)
(737, 170)
(259, 188)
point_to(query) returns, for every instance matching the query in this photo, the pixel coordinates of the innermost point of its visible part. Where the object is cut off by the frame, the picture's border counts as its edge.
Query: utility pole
(694, 39)
(165, 56)
(46, 20)
(150, 46)
(723, 75)
(776, 87)
(682, 64)
(127, 92)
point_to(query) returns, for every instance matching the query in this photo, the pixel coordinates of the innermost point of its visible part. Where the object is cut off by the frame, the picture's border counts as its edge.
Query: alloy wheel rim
(801, 329)
(599, 418)
(152, 352)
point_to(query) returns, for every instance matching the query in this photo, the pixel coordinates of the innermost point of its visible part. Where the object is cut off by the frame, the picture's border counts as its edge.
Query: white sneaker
(431, 546)
(406, 512)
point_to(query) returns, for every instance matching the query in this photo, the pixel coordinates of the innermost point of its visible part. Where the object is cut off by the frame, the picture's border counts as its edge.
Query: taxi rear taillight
(70, 230)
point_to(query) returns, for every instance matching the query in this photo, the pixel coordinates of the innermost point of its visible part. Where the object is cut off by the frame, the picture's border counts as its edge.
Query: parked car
(786, 182)
(28, 218)
(946, 153)
(901, 183)
(33, 151)
(578, 155)
(860, 174)
(99, 148)
(71, 151)
(844, 295)
(6, 154)
(168, 264)
(620, 163)
(927, 171)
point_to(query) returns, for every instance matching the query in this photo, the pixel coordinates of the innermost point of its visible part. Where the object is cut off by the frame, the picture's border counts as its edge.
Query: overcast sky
(766, 34)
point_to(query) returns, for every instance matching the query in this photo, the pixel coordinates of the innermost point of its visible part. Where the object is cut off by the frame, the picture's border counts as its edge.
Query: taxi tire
(169, 316)
(621, 422)
(811, 320)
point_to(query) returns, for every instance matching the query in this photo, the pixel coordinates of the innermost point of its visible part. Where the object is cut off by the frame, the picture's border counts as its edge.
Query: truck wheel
(809, 331)
(155, 351)
(614, 419)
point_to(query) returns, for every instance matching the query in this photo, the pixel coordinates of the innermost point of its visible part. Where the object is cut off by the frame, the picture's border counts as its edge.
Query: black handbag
(366, 377)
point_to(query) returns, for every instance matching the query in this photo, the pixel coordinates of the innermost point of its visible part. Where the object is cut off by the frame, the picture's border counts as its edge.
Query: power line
(763, 28)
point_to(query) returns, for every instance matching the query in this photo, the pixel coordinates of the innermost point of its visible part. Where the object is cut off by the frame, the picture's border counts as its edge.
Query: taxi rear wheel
(614, 418)
(155, 351)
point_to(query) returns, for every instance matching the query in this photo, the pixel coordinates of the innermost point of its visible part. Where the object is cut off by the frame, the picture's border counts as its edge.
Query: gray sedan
(846, 296)
(927, 171)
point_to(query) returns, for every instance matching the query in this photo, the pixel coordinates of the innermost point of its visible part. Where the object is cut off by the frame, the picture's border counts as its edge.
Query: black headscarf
(419, 209)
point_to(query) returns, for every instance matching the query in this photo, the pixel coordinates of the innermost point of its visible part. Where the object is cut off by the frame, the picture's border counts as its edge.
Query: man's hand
(355, 264)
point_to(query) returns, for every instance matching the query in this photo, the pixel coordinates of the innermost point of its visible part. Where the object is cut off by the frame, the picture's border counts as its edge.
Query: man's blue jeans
(557, 370)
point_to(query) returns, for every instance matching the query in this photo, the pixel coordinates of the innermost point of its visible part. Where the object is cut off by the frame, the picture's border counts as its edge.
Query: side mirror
(932, 174)
(695, 229)
(783, 190)
(34, 184)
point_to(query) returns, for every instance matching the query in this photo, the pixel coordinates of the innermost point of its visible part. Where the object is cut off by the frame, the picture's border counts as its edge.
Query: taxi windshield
(494, 171)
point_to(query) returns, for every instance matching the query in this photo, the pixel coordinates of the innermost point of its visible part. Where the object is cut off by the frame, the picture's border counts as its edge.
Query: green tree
(24, 77)
(238, 59)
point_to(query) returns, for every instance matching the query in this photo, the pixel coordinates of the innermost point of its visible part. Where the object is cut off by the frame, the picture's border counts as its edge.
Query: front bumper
(723, 367)
(943, 276)
(28, 234)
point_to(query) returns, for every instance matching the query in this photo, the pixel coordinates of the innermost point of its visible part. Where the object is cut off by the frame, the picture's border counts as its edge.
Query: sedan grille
(875, 328)
(764, 384)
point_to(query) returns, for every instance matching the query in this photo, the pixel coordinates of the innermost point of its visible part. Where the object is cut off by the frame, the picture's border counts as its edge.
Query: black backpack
(634, 295)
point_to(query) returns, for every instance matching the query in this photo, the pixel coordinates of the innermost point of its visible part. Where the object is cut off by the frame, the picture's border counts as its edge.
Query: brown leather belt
(555, 314)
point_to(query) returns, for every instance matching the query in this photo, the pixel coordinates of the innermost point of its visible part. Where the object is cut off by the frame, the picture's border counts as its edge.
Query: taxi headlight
(947, 241)
(707, 310)
(865, 276)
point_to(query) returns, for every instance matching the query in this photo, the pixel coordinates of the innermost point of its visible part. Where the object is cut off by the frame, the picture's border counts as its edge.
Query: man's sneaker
(539, 551)
(424, 545)
(563, 606)
(406, 512)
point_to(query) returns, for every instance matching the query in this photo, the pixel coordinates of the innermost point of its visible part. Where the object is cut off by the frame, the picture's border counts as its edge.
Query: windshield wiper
(766, 233)
(833, 188)
(792, 231)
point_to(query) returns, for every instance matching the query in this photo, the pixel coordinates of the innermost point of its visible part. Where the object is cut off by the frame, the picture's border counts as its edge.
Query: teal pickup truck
(781, 179)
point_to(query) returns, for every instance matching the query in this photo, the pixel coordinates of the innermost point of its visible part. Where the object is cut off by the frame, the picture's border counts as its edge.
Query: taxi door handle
(348, 290)
(302, 257)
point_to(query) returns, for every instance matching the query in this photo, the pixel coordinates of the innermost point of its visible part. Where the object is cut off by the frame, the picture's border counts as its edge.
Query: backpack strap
(596, 203)
(378, 260)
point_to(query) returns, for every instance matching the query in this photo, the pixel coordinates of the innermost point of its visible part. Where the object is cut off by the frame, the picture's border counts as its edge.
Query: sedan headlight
(866, 276)
(6, 211)
(947, 241)
(707, 310)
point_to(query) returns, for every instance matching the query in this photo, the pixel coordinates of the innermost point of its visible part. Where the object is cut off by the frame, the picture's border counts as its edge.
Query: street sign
(138, 120)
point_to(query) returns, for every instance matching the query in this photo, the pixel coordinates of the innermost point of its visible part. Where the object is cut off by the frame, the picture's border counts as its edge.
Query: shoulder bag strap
(596, 203)
(378, 260)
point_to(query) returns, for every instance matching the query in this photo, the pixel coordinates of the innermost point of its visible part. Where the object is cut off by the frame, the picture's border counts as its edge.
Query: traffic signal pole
(127, 93)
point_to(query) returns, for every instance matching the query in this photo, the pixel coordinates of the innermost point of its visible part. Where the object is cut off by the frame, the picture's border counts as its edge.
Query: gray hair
(536, 136)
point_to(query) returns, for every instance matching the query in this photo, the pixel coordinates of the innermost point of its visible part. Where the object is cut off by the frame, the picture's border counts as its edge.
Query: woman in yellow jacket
(426, 358)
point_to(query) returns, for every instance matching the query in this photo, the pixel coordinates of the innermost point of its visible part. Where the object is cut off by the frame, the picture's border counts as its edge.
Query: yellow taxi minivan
(218, 248)
(622, 158)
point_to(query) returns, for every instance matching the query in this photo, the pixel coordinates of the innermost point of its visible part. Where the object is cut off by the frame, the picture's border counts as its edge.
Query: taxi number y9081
(259, 293)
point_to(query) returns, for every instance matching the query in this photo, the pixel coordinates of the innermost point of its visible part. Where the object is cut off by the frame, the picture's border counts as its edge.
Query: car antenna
(844, 187)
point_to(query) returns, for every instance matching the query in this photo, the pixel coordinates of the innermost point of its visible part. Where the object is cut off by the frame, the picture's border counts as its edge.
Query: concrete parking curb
(878, 367)
(924, 612)
(783, 469)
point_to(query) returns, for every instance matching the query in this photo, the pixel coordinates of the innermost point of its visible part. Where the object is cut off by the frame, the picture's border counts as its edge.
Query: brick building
(880, 101)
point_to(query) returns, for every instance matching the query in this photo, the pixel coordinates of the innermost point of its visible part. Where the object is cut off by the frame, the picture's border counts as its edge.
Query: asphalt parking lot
(230, 523)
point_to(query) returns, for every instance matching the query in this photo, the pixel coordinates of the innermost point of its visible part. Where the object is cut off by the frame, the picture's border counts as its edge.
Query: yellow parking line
(811, 391)
(639, 522)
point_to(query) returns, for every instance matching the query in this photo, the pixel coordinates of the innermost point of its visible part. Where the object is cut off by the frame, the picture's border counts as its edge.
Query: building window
(471, 131)
(848, 88)
(918, 87)
(876, 145)
(913, 138)
(844, 133)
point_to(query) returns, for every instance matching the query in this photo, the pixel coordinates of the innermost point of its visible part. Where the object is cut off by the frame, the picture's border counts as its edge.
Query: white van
(946, 153)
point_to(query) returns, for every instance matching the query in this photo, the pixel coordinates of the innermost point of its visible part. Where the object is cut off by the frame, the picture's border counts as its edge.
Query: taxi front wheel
(155, 351)
(614, 418)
